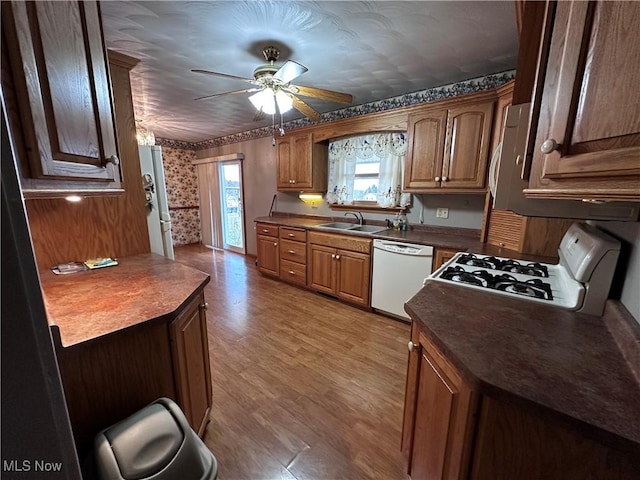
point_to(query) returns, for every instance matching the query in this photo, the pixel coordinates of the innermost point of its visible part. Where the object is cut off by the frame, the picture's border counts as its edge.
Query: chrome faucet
(358, 216)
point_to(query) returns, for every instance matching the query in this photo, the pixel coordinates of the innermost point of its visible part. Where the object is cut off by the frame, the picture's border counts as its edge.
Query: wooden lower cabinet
(452, 431)
(441, 256)
(439, 415)
(340, 266)
(109, 378)
(190, 348)
(268, 249)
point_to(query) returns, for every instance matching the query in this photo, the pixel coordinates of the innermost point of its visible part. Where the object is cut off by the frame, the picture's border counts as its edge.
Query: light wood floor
(304, 387)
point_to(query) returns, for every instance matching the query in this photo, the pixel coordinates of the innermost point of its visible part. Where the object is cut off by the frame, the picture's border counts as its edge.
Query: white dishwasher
(399, 269)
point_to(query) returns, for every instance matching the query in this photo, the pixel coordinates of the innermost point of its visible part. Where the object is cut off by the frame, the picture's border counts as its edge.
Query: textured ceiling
(371, 50)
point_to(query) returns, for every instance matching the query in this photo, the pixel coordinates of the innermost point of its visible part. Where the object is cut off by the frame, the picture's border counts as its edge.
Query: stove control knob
(413, 347)
(548, 146)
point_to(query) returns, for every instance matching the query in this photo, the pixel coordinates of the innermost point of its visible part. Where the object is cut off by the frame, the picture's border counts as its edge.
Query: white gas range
(580, 281)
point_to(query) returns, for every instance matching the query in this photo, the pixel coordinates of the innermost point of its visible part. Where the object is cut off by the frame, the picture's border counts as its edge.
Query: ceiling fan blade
(321, 93)
(246, 90)
(289, 71)
(226, 75)
(304, 108)
(259, 116)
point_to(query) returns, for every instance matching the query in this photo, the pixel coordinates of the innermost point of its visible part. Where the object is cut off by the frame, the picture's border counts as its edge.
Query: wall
(627, 281)
(97, 226)
(182, 195)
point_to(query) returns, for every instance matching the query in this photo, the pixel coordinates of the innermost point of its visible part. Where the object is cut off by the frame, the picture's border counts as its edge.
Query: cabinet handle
(292, 235)
(204, 306)
(437, 179)
(549, 145)
(292, 252)
(519, 160)
(291, 272)
(333, 255)
(275, 244)
(413, 347)
(293, 181)
(445, 179)
(595, 201)
(337, 257)
(113, 159)
(264, 230)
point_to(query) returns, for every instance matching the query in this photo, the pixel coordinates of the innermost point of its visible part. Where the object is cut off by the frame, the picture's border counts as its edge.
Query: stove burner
(530, 288)
(534, 269)
(481, 278)
(485, 262)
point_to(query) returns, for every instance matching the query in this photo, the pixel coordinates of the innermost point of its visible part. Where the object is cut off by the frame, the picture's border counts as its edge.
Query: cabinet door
(284, 163)
(423, 163)
(467, 145)
(441, 256)
(588, 135)
(353, 276)
(301, 161)
(191, 363)
(268, 255)
(322, 264)
(442, 428)
(60, 75)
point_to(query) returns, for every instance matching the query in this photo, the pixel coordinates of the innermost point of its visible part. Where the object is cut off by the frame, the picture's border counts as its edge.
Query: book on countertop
(94, 263)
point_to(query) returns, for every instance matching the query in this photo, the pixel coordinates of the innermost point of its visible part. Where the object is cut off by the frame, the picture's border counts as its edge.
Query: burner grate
(533, 269)
(503, 282)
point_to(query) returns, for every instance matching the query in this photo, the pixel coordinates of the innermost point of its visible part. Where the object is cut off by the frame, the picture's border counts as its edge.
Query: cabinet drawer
(267, 230)
(345, 242)
(296, 234)
(293, 251)
(293, 272)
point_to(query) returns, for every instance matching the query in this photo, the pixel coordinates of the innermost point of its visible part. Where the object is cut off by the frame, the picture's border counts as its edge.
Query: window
(367, 168)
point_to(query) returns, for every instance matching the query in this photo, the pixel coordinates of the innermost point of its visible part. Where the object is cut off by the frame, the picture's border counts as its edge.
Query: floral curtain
(387, 149)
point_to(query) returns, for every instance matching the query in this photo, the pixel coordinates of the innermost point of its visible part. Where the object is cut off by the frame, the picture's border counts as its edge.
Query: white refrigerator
(158, 219)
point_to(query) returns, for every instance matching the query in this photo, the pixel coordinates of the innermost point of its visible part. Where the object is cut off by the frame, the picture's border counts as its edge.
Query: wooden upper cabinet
(587, 143)
(63, 103)
(467, 146)
(301, 164)
(449, 149)
(423, 162)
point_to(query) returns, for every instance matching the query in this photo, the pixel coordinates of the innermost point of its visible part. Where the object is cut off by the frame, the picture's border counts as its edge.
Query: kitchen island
(524, 391)
(127, 335)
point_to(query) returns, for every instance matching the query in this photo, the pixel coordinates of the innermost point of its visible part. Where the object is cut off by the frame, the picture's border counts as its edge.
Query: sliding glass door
(232, 215)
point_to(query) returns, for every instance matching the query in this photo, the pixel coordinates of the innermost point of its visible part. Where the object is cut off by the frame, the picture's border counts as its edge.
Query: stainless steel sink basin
(367, 228)
(338, 225)
(353, 227)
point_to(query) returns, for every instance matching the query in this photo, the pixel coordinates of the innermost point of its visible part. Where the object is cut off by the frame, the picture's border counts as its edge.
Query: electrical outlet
(442, 213)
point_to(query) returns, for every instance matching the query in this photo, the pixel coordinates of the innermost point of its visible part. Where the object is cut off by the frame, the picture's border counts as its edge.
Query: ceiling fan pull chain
(281, 126)
(273, 130)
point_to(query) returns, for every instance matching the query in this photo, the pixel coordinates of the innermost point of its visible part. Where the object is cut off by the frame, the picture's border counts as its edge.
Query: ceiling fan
(274, 92)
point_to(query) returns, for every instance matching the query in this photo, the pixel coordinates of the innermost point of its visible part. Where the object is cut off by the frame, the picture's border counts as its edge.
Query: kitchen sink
(367, 228)
(353, 227)
(338, 225)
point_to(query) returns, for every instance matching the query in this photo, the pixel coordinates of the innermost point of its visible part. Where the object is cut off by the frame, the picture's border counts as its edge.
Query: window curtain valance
(387, 149)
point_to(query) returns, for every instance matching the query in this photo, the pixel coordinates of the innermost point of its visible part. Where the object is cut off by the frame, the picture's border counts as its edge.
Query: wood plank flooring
(304, 387)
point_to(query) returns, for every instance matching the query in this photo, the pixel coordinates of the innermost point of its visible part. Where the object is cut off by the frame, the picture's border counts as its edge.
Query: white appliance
(580, 281)
(398, 272)
(507, 180)
(158, 219)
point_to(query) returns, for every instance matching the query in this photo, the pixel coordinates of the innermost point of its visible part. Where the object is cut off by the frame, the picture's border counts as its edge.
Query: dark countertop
(449, 238)
(94, 303)
(564, 365)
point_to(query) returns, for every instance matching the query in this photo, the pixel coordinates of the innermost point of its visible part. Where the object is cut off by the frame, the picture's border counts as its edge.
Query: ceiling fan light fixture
(264, 100)
(285, 102)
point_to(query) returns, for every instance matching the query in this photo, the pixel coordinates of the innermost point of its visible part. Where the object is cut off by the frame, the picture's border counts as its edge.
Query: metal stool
(155, 443)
